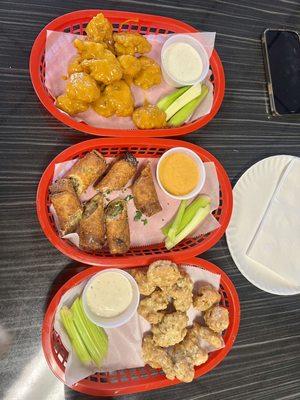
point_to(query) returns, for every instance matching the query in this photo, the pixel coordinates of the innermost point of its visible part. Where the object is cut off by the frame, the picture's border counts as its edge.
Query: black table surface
(264, 363)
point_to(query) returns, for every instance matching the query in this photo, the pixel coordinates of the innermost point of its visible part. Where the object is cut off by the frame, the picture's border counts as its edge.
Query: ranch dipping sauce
(182, 62)
(109, 294)
(178, 174)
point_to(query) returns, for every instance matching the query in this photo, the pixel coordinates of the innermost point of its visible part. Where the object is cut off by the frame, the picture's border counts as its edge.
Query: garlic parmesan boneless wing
(157, 357)
(92, 225)
(66, 204)
(117, 227)
(144, 193)
(217, 318)
(186, 355)
(145, 286)
(181, 292)
(163, 273)
(151, 307)
(171, 330)
(207, 296)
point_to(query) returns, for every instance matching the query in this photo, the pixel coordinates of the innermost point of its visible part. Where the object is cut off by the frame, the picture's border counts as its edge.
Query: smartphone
(281, 49)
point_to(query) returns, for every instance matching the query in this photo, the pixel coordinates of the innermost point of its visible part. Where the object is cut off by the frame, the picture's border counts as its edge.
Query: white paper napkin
(276, 243)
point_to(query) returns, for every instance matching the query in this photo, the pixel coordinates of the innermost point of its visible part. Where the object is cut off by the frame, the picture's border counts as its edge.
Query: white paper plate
(251, 196)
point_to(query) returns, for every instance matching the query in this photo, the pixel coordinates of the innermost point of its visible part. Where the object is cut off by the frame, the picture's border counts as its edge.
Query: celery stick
(185, 112)
(66, 316)
(99, 333)
(166, 101)
(199, 217)
(188, 214)
(175, 225)
(90, 333)
(186, 97)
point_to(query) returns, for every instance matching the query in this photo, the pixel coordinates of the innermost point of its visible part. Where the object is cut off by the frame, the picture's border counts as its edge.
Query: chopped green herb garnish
(144, 221)
(128, 197)
(115, 208)
(138, 215)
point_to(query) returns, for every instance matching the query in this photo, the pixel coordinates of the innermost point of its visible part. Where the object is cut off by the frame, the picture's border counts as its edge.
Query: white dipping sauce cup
(200, 165)
(120, 319)
(181, 38)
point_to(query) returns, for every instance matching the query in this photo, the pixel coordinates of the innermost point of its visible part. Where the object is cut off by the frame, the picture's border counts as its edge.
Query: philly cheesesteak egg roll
(117, 226)
(66, 204)
(92, 225)
(118, 174)
(86, 170)
(144, 193)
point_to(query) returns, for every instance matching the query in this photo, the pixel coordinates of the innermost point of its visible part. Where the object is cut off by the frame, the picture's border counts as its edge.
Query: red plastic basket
(136, 379)
(148, 148)
(75, 22)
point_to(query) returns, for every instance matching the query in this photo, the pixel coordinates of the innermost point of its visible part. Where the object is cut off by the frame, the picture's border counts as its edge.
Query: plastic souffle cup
(201, 168)
(188, 39)
(120, 319)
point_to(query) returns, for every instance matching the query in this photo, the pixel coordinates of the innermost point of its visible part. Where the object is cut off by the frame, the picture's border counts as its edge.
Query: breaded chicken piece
(99, 29)
(217, 318)
(131, 65)
(171, 330)
(131, 43)
(149, 117)
(157, 357)
(116, 100)
(105, 70)
(69, 105)
(150, 307)
(208, 335)
(144, 285)
(182, 292)
(82, 87)
(163, 273)
(186, 355)
(149, 75)
(206, 298)
(75, 65)
(88, 50)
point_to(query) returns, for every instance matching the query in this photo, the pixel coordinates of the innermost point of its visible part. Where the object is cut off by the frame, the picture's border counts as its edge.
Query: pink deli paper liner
(125, 342)
(140, 234)
(60, 51)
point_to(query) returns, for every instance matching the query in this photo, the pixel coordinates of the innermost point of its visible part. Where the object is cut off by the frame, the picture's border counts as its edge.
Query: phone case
(274, 111)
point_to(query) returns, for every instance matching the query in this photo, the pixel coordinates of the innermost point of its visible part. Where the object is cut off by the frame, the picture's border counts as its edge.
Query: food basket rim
(38, 49)
(129, 260)
(86, 387)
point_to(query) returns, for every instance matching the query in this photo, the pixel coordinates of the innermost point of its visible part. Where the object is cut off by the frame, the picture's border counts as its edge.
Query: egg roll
(118, 174)
(86, 170)
(66, 204)
(92, 225)
(144, 193)
(117, 226)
